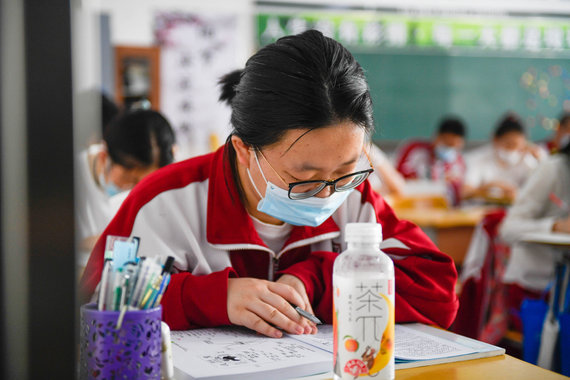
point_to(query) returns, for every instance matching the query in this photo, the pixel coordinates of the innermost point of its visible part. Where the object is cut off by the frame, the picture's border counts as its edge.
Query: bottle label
(363, 328)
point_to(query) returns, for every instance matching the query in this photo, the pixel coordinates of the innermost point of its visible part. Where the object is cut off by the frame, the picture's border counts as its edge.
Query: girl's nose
(326, 192)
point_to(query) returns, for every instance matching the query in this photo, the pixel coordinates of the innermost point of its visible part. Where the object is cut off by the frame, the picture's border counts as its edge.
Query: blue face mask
(300, 212)
(108, 187)
(446, 153)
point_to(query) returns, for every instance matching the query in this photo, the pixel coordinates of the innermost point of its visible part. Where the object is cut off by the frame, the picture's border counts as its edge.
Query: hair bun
(228, 84)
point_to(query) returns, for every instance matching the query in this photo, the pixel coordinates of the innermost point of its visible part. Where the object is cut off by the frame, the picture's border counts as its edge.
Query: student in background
(386, 179)
(499, 169)
(134, 144)
(439, 159)
(256, 225)
(561, 135)
(542, 206)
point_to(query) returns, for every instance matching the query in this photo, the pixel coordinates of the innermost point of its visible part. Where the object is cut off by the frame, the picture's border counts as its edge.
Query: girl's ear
(243, 151)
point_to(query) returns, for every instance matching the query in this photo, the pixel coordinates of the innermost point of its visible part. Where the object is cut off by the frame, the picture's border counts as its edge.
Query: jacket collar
(228, 222)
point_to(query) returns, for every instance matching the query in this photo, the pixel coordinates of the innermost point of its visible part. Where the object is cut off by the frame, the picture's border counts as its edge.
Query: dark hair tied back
(301, 81)
(228, 85)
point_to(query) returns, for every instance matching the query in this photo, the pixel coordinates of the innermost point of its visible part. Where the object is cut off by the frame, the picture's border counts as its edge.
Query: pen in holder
(132, 351)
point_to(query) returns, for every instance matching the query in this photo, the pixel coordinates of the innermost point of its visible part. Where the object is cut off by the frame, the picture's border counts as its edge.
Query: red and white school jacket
(192, 210)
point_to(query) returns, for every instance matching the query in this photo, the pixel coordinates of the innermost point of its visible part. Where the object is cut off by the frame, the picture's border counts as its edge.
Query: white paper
(412, 344)
(240, 353)
(322, 339)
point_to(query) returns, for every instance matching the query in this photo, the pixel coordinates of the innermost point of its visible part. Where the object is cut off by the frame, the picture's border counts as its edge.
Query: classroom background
(423, 61)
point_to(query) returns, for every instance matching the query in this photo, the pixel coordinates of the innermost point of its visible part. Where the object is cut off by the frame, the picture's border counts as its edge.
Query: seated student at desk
(134, 144)
(541, 207)
(257, 224)
(439, 159)
(498, 170)
(385, 179)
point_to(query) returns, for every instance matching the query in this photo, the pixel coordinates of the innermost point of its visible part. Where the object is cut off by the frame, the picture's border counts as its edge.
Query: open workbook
(238, 353)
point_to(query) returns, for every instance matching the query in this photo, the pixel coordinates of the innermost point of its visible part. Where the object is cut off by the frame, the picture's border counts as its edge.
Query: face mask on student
(311, 211)
(109, 188)
(446, 153)
(512, 157)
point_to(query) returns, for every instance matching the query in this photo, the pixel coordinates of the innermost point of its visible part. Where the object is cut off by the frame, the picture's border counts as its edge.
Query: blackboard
(411, 92)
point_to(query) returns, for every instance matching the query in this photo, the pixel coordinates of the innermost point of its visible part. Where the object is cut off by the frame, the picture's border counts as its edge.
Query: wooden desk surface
(495, 368)
(498, 367)
(451, 229)
(441, 217)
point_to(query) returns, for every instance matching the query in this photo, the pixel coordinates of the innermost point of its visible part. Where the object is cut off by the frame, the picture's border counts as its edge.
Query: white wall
(132, 23)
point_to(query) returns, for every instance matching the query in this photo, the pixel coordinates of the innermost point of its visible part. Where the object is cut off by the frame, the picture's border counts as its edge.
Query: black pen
(307, 315)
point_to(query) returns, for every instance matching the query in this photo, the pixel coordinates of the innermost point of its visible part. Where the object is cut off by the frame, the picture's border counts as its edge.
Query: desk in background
(449, 228)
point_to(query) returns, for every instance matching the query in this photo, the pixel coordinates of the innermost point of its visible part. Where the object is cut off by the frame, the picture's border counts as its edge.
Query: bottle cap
(363, 233)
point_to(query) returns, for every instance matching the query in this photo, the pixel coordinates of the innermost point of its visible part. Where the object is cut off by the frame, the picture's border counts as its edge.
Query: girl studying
(255, 226)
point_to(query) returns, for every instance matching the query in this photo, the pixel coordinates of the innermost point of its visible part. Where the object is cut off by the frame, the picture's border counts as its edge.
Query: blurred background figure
(438, 159)
(561, 135)
(497, 170)
(386, 180)
(542, 206)
(109, 111)
(135, 144)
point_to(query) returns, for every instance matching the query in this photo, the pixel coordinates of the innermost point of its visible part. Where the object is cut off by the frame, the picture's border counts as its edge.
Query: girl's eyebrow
(307, 166)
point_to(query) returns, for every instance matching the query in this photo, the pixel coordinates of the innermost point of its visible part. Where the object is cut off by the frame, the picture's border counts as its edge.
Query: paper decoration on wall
(546, 90)
(196, 50)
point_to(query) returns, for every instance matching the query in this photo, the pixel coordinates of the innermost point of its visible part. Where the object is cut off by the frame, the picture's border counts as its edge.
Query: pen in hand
(307, 315)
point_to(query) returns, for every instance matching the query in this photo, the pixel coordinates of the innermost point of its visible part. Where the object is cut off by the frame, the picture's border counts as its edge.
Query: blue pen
(163, 290)
(165, 280)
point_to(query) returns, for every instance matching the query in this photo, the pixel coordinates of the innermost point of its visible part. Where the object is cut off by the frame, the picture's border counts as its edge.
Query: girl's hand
(260, 305)
(562, 225)
(298, 285)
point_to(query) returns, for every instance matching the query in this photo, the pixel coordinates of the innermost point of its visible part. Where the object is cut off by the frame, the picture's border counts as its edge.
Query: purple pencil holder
(131, 352)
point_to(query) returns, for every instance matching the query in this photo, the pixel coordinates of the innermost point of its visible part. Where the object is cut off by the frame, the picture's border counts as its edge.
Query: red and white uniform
(192, 210)
(417, 160)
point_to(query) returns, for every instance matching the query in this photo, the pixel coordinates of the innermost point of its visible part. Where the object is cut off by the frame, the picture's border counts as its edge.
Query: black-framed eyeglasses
(307, 189)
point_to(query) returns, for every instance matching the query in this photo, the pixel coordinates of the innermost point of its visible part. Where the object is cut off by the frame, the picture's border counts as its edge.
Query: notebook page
(240, 353)
(412, 344)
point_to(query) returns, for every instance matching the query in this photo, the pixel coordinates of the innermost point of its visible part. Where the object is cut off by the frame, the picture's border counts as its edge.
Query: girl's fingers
(299, 287)
(287, 292)
(287, 310)
(252, 321)
(274, 316)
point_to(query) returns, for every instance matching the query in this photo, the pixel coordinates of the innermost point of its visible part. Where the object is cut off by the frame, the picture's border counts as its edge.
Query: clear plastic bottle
(363, 307)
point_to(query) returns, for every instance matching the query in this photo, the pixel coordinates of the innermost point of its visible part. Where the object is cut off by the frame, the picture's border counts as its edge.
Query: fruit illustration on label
(350, 343)
(387, 343)
(356, 367)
